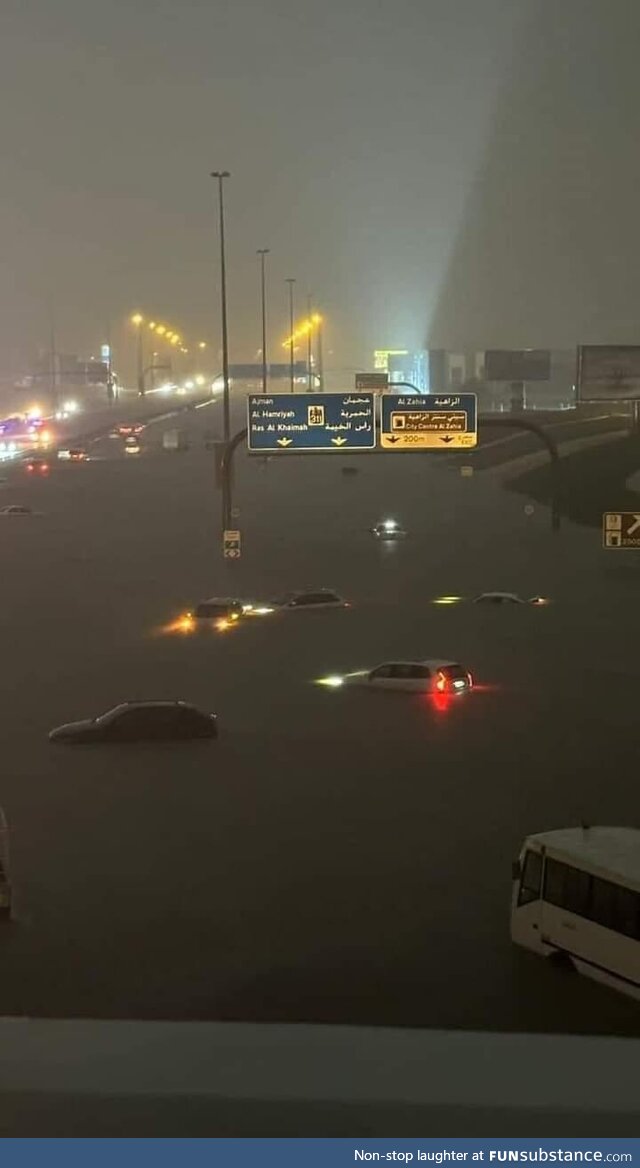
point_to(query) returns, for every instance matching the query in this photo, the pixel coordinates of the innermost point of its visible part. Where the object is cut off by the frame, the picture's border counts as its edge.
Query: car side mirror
(515, 870)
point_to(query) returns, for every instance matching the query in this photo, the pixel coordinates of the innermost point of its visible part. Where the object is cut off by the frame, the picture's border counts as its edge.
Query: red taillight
(470, 680)
(441, 682)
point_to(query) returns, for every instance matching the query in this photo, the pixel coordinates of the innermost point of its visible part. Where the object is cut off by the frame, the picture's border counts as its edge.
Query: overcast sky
(413, 163)
(351, 128)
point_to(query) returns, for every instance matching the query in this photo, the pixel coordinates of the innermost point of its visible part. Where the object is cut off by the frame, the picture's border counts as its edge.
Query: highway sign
(517, 365)
(294, 423)
(434, 422)
(231, 545)
(608, 373)
(375, 382)
(621, 529)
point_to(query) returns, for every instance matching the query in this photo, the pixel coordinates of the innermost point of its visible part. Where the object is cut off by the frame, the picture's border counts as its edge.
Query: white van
(576, 893)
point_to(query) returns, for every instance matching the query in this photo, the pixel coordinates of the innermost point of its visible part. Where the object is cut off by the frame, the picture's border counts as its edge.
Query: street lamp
(309, 332)
(138, 320)
(220, 175)
(291, 281)
(317, 320)
(262, 252)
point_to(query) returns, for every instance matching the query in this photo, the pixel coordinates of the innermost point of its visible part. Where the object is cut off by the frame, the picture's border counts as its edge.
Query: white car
(322, 598)
(432, 675)
(15, 509)
(389, 529)
(507, 598)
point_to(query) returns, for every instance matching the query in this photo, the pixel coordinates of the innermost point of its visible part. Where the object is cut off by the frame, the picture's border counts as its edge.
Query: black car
(218, 608)
(37, 466)
(140, 722)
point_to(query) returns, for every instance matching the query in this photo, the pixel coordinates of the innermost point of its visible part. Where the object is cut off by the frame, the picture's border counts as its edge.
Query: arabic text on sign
(430, 420)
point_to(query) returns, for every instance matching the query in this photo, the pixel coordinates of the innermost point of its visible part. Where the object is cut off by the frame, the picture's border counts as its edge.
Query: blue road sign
(307, 422)
(433, 421)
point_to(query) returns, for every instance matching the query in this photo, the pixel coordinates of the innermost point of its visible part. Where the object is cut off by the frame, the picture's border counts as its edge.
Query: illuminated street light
(291, 281)
(137, 319)
(263, 252)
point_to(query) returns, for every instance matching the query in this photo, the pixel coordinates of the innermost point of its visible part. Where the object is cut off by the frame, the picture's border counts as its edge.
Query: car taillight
(470, 680)
(441, 681)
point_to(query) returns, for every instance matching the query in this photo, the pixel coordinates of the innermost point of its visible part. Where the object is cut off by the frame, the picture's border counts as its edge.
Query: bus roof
(612, 850)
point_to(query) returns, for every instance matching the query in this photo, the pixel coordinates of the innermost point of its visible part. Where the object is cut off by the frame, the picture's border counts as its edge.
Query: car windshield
(415, 263)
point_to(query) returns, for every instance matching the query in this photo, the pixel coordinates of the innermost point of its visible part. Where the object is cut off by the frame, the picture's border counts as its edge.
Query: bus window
(567, 887)
(615, 908)
(531, 878)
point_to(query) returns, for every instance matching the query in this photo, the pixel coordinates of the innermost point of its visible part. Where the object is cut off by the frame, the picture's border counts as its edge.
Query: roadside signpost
(621, 529)
(231, 545)
(285, 423)
(434, 422)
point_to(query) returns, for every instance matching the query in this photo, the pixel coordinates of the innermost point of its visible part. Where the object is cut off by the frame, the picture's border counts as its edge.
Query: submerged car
(322, 598)
(507, 598)
(17, 510)
(432, 675)
(388, 529)
(140, 722)
(37, 466)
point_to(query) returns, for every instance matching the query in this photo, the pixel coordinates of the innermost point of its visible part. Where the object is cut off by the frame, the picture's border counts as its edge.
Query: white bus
(576, 894)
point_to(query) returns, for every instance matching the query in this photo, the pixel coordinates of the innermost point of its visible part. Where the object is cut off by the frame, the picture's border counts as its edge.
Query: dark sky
(352, 129)
(548, 247)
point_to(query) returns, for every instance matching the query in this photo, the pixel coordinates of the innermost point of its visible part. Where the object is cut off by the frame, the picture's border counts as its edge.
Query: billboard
(517, 364)
(608, 373)
(381, 357)
(376, 382)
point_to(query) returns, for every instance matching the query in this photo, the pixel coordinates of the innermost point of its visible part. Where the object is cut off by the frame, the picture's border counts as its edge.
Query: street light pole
(221, 175)
(53, 364)
(320, 355)
(309, 332)
(262, 252)
(291, 281)
(138, 320)
(226, 411)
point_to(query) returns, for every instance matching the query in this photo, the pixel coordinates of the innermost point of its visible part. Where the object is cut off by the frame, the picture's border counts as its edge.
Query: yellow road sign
(429, 422)
(621, 529)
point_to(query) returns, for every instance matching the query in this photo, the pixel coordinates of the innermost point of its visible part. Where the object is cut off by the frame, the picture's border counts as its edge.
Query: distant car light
(447, 600)
(333, 682)
(390, 525)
